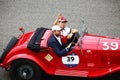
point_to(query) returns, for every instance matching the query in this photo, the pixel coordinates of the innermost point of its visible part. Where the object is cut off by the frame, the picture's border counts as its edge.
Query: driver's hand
(59, 15)
(70, 36)
(69, 45)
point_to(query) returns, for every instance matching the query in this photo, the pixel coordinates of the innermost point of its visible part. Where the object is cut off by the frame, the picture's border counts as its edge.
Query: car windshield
(82, 32)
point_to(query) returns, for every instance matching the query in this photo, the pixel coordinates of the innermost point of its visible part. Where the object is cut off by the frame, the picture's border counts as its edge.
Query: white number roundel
(70, 60)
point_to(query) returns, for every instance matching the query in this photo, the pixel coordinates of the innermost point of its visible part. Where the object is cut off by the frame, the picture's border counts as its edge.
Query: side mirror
(22, 29)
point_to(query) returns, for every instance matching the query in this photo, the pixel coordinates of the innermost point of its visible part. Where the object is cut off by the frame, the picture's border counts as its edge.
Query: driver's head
(62, 22)
(56, 30)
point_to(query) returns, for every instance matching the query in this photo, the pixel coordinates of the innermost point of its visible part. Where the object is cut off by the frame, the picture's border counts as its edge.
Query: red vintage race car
(28, 56)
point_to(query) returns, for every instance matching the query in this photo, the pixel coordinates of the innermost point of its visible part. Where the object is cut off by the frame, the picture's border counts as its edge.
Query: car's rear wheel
(25, 70)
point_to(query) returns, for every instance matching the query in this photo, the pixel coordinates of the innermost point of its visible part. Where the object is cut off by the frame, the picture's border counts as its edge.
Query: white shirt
(59, 39)
(65, 31)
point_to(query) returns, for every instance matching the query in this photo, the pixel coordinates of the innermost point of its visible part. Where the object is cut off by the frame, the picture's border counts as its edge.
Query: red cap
(62, 19)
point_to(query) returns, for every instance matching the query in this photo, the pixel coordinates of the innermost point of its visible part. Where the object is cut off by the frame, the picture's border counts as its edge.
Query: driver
(55, 42)
(66, 32)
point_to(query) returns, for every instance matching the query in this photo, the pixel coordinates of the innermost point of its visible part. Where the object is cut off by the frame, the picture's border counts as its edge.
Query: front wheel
(25, 70)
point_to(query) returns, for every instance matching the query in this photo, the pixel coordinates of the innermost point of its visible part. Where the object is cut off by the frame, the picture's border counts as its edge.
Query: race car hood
(90, 42)
(93, 43)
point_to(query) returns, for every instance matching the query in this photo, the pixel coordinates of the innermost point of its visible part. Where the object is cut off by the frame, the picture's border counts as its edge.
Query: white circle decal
(70, 60)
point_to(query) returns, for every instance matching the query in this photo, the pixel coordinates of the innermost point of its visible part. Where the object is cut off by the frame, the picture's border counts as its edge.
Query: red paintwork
(93, 60)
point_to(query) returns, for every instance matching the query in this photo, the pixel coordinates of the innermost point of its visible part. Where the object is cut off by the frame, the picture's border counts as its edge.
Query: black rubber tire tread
(10, 45)
(19, 63)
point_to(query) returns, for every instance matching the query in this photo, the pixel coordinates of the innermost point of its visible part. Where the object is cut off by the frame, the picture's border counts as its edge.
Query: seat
(45, 38)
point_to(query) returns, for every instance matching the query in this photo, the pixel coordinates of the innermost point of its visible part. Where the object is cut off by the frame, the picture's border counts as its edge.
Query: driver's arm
(70, 36)
(71, 33)
(74, 30)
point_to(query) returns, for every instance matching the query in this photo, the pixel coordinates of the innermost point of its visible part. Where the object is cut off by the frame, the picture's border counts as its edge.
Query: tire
(10, 45)
(25, 70)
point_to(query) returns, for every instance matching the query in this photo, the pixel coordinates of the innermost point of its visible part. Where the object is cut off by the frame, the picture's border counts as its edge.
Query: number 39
(112, 46)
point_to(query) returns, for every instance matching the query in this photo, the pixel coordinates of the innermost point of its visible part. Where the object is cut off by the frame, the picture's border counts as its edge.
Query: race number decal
(70, 60)
(110, 46)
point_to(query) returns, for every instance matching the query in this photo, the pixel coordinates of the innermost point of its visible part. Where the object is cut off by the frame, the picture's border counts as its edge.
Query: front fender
(7, 62)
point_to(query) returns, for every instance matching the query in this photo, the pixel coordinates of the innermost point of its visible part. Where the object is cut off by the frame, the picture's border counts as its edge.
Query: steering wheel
(75, 37)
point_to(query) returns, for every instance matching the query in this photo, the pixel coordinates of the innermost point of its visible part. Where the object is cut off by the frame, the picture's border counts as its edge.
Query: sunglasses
(63, 21)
